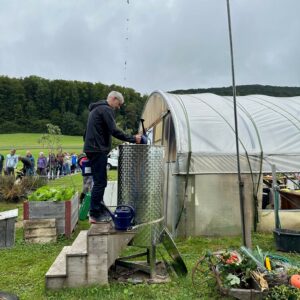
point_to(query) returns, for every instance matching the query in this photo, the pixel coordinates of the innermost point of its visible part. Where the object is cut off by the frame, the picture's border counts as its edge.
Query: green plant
(45, 193)
(283, 292)
(235, 273)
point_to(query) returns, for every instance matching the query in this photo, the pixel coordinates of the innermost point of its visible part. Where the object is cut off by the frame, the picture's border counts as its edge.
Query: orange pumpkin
(295, 280)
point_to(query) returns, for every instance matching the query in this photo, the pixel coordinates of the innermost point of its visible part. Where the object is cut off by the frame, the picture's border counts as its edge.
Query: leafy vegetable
(45, 193)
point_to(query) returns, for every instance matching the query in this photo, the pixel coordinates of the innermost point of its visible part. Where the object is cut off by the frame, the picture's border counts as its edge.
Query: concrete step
(104, 246)
(76, 261)
(57, 274)
(87, 261)
(79, 246)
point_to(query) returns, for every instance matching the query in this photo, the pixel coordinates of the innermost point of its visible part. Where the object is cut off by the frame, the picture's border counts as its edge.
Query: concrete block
(76, 270)
(97, 260)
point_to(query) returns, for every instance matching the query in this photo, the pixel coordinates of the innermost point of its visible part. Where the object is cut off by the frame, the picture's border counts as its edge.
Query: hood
(96, 104)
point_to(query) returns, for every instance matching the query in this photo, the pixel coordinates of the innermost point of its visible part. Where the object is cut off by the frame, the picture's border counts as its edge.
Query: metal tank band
(140, 184)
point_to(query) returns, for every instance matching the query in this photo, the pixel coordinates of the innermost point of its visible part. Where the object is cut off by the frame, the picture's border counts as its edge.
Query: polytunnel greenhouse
(201, 194)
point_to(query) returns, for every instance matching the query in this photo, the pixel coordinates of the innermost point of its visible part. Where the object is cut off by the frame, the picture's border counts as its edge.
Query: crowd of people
(51, 166)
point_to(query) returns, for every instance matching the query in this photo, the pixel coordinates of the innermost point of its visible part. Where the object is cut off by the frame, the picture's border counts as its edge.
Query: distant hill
(242, 90)
(28, 104)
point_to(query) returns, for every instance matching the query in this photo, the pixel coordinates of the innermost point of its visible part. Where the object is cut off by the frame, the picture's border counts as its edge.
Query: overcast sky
(166, 44)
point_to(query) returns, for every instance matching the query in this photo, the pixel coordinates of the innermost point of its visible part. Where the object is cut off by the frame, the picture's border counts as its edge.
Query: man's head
(13, 151)
(115, 99)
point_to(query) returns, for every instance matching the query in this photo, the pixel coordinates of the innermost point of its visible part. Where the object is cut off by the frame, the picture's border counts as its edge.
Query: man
(101, 126)
(11, 163)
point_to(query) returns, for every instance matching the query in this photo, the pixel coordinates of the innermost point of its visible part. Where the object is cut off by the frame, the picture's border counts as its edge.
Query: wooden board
(40, 230)
(7, 228)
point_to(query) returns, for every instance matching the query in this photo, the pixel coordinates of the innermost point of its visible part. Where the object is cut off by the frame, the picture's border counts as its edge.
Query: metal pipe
(246, 239)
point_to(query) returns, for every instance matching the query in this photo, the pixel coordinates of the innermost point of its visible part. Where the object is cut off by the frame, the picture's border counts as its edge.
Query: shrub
(16, 191)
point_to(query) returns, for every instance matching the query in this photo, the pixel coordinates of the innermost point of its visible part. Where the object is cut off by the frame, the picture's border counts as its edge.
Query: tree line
(28, 104)
(243, 90)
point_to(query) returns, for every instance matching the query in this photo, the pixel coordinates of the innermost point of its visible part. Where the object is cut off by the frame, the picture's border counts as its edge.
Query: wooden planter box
(64, 212)
(7, 228)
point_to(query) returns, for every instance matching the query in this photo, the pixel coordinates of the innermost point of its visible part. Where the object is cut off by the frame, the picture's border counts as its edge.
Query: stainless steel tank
(140, 184)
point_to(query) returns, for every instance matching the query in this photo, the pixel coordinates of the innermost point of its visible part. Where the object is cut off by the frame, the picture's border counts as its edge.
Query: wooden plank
(25, 210)
(74, 211)
(39, 232)
(8, 214)
(3, 233)
(7, 232)
(39, 223)
(10, 232)
(74, 220)
(68, 218)
(42, 240)
(46, 210)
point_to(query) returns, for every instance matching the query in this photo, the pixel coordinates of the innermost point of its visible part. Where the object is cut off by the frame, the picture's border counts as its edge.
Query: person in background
(87, 179)
(42, 165)
(67, 164)
(11, 163)
(52, 165)
(30, 172)
(60, 164)
(101, 126)
(73, 162)
(1, 163)
(27, 165)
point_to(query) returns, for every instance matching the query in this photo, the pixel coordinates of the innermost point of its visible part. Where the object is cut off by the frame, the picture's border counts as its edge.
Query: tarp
(269, 131)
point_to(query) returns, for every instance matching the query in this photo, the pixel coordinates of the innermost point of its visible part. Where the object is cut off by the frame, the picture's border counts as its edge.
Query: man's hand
(138, 138)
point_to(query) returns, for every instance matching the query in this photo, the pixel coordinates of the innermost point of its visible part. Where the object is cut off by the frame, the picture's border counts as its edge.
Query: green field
(29, 141)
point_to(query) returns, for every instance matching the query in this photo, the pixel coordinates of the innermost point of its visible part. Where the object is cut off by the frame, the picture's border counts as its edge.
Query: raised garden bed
(65, 213)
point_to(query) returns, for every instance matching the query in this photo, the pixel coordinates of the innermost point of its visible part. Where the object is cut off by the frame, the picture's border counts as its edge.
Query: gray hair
(114, 94)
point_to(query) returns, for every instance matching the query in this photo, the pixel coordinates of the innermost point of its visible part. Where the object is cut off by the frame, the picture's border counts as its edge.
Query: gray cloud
(172, 44)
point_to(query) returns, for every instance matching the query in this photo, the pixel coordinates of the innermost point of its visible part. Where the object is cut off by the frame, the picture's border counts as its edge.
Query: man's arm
(115, 131)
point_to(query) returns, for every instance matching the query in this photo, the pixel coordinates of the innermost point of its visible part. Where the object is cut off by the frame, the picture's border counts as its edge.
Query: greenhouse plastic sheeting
(269, 131)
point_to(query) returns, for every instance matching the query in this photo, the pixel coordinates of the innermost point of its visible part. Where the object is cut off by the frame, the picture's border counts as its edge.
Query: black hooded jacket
(101, 126)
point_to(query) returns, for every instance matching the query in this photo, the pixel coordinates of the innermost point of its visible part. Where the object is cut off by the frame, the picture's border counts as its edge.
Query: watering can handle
(127, 206)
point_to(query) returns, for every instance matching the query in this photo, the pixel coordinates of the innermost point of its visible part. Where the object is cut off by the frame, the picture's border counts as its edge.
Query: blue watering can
(123, 217)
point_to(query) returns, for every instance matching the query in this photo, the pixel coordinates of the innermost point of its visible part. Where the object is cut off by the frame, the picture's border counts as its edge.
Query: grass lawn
(29, 141)
(76, 180)
(23, 267)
